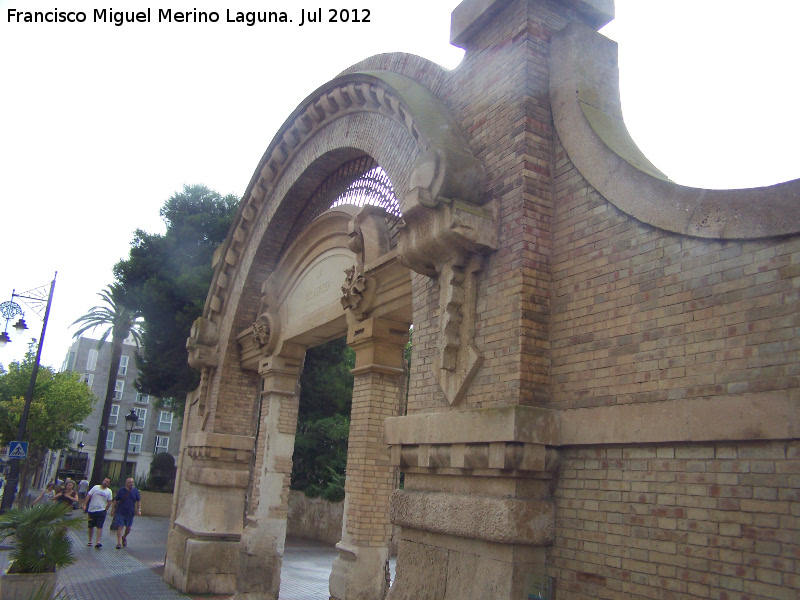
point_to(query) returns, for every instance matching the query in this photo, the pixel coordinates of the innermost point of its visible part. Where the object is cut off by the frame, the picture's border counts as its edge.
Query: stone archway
(321, 289)
(588, 335)
(283, 283)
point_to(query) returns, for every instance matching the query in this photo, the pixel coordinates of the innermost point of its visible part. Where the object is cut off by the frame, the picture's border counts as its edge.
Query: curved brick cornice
(445, 168)
(584, 91)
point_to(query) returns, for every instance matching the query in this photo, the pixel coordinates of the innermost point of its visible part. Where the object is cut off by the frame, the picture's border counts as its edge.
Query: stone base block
(432, 566)
(201, 566)
(360, 573)
(260, 560)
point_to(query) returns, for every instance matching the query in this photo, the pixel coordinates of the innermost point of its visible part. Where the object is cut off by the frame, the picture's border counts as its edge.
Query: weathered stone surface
(603, 385)
(499, 520)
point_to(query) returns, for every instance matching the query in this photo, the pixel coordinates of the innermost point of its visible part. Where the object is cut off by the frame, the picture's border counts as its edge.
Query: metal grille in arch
(373, 187)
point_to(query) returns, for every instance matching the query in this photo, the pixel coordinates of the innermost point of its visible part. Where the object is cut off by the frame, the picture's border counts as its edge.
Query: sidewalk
(134, 573)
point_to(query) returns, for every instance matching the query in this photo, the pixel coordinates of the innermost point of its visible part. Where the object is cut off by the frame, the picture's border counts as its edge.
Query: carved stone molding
(587, 114)
(483, 458)
(219, 460)
(203, 348)
(458, 359)
(449, 241)
(498, 520)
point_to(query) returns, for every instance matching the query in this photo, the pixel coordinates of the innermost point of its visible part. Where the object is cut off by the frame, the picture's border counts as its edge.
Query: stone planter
(156, 504)
(28, 586)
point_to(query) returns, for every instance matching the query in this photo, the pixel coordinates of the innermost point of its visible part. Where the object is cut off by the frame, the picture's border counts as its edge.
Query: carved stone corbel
(369, 235)
(202, 344)
(448, 239)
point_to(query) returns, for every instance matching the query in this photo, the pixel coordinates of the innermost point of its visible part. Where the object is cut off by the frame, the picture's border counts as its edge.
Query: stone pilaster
(261, 548)
(360, 572)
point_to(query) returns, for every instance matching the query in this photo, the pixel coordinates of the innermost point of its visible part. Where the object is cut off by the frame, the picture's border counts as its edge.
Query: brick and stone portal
(603, 397)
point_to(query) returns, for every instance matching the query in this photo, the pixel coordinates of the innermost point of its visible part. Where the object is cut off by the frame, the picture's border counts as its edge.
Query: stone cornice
(584, 92)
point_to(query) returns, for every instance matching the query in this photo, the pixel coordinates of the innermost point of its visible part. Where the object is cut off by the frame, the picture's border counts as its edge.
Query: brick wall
(641, 315)
(686, 521)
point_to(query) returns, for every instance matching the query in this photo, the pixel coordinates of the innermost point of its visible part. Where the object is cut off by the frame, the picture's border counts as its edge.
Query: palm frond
(118, 319)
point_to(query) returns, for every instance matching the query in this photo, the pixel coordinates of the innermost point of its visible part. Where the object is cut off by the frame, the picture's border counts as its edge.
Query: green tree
(323, 424)
(120, 322)
(168, 277)
(60, 403)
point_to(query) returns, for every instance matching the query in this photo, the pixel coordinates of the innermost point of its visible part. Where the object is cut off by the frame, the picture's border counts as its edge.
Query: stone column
(201, 548)
(262, 542)
(360, 572)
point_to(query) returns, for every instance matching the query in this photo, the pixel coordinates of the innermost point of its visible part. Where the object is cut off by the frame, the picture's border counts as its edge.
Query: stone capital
(378, 344)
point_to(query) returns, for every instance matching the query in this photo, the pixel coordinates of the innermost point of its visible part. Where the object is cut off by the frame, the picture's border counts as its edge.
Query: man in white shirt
(97, 501)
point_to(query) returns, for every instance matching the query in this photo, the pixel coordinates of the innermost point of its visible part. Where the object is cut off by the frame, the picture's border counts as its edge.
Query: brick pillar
(360, 572)
(262, 542)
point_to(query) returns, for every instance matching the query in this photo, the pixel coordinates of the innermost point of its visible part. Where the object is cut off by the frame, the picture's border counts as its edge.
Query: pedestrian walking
(68, 495)
(83, 488)
(97, 502)
(47, 494)
(127, 503)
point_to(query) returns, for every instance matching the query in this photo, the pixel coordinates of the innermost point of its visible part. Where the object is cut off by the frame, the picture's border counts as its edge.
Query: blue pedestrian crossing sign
(17, 450)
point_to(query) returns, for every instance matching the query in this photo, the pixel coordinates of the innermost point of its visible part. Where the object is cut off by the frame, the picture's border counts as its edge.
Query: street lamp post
(130, 422)
(12, 308)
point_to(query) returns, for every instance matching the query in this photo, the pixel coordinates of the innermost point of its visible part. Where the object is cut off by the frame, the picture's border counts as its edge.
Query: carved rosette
(262, 329)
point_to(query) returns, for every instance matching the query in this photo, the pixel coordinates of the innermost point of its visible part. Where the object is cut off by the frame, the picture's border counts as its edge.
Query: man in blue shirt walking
(127, 503)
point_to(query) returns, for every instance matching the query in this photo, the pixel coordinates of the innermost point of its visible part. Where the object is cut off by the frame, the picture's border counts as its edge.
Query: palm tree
(120, 322)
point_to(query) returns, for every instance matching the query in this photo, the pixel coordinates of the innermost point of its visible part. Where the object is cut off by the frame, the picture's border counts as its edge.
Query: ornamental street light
(130, 422)
(9, 310)
(35, 300)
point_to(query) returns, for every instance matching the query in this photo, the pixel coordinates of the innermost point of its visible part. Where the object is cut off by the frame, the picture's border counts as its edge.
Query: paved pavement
(134, 573)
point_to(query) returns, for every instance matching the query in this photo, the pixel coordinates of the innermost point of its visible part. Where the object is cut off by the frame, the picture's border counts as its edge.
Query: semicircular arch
(403, 126)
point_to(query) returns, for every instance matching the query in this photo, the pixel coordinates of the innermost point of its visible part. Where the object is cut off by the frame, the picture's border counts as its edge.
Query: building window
(118, 387)
(88, 378)
(142, 398)
(165, 421)
(123, 366)
(136, 443)
(162, 444)
(113, 416)
(91, 361)
(142, 414)
(110, 440)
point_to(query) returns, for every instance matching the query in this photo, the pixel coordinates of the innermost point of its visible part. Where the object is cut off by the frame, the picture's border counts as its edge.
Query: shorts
(97, 519)
(123, 520)
(81, 495)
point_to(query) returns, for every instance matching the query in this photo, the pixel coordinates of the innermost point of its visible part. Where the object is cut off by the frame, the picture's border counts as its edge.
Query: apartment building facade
(156, 430)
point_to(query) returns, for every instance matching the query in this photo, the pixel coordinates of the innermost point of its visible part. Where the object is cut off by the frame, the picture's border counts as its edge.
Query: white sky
(99, 124)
